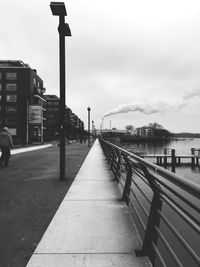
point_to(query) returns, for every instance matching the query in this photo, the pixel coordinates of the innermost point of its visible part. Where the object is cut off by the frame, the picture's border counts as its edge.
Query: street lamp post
(88, 109)
(58, 9)
(92, 130)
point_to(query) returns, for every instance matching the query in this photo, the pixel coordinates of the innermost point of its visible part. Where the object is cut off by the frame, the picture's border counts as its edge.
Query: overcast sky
(134, 61)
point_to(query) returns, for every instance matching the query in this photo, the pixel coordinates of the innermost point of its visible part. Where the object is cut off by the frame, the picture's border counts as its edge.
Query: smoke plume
(147, 107)
(192, 93)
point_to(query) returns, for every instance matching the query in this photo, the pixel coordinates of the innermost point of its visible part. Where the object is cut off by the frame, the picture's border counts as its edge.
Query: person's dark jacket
(5, 139)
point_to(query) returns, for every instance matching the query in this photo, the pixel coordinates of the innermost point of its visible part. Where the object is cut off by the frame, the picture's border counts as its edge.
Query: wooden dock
(162, 159)
(171, 159)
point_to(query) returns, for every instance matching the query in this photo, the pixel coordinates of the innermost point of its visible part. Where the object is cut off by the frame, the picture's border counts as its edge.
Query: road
(30, 193)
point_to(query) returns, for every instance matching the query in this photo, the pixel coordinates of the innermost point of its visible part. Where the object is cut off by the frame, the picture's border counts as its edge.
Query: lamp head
(58, 8)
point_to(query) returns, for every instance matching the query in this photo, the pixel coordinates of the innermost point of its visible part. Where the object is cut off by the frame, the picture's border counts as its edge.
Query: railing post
(151, 235)
(112, 160)
(109, 155)
(116, 176)
(126, 192)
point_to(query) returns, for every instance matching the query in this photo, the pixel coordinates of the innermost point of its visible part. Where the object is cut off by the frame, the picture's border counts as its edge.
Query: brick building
(74, 126)
(52, 121)
(20, 88)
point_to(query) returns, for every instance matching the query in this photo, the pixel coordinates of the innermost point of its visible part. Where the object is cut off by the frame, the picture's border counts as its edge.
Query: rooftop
(13, 63)
(51, 97)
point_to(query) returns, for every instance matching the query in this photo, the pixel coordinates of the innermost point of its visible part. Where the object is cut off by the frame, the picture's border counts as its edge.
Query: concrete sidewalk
(91, 227)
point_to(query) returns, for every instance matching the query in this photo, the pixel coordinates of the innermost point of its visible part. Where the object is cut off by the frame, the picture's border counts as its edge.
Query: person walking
(6, 143)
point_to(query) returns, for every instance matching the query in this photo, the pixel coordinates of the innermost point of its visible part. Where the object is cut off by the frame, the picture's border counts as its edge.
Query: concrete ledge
(88, 260)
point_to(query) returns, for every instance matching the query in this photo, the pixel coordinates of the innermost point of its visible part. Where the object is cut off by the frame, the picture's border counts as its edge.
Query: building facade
(74, 126)
(20, 89)
(52, 122)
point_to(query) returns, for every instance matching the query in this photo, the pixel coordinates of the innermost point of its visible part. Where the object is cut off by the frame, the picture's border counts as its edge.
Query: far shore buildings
(150, 130)
(30, 115)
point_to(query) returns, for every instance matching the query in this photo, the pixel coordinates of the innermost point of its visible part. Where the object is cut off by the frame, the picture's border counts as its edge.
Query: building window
(0, 86)
(0, 97)
(11, 76)
(13, 131)
(56, 103)
(34, 81)
(0, 75)
(0, 108)
(11, 87)
(55, 109)
(11, 108)
(51, 116)
(11, 98)
(11, 120)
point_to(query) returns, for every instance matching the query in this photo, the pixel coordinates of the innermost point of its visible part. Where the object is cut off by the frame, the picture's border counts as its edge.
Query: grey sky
(121, 52)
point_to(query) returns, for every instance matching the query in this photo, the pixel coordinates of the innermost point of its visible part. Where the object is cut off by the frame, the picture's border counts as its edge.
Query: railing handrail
(188, 186)
(141, 180)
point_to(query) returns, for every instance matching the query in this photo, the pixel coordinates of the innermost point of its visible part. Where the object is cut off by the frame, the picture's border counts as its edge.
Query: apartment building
(52, 122)
(21, 92)
(74, 126)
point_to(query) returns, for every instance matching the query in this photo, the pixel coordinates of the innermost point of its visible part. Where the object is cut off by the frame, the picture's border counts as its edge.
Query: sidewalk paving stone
(92, 227)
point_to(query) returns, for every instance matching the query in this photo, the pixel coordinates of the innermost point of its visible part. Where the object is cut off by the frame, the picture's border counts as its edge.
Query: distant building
(151, 130)
(155, 125)
(52, 117)
(74, 126)
(20, 89)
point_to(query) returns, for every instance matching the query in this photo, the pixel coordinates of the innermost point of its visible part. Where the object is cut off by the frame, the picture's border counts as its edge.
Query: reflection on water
(182, 146)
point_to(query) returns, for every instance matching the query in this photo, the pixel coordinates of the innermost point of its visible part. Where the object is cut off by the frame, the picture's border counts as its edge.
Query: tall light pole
(92, 129)
(58, 9)
(88, 109)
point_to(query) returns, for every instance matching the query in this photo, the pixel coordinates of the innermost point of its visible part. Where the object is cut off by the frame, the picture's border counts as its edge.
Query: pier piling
(193, 153)
(173, 159)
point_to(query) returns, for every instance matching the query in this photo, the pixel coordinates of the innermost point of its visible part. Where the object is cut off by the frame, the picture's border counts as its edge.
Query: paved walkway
(91, 227)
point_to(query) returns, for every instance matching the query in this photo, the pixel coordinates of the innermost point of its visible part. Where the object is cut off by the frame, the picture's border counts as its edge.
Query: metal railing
(165, 207)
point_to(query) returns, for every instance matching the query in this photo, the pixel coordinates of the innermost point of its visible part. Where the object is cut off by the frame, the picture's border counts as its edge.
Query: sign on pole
(35, 115)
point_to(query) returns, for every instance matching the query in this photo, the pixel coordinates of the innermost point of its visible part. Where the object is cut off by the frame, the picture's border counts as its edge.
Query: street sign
(35, 114)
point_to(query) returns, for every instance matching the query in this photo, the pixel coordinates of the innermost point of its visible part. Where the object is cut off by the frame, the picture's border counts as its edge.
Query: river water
(182, 146)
